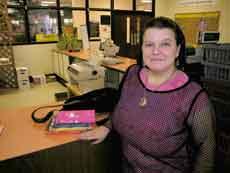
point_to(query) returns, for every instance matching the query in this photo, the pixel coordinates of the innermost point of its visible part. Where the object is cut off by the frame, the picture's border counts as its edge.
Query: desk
(26, 147)
(85, 54)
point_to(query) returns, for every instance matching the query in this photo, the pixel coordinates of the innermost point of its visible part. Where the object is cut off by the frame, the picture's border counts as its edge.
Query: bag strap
(47, 116)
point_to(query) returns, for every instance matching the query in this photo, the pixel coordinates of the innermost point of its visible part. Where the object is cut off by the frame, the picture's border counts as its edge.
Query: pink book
(75, 116)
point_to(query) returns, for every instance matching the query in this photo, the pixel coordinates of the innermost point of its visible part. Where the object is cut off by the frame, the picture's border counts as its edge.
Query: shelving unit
(8, 77)
(216, 80)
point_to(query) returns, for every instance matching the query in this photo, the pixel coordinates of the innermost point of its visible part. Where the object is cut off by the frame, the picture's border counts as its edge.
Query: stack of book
(72, 121)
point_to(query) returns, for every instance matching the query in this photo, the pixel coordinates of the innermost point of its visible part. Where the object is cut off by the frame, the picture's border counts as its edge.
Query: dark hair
(164, 22)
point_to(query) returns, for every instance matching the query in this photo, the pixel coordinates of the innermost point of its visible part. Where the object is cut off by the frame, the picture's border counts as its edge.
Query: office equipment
(109, 48)
(94, 30)
(105, 20)
(209, 37)
(84, 71)
(60, 96)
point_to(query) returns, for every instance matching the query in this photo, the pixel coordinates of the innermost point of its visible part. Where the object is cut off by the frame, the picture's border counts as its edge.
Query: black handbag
(101, 100)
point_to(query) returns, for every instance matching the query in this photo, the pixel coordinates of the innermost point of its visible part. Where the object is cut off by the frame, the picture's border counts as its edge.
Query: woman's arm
(202, 125)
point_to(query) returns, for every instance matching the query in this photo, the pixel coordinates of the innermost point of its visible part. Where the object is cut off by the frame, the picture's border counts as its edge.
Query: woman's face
(160, 49)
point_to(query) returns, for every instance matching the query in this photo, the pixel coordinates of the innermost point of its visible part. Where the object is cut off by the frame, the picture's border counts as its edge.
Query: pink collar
(179, 79)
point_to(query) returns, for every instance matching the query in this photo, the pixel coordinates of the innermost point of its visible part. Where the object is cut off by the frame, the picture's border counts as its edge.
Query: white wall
(37, 58)
(225, 22)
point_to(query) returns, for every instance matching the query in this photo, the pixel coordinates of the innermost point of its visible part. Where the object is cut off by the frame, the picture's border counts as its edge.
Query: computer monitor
(105, 20)
(209, 37)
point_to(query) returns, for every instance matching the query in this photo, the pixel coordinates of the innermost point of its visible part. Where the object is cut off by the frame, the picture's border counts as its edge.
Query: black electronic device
(105, 20)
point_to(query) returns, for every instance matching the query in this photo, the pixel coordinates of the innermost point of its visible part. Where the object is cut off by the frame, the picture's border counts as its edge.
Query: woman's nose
(155, 50)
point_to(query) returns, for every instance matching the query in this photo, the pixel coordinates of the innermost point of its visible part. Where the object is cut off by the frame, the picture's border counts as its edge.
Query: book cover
(75, 117)
(72, 121)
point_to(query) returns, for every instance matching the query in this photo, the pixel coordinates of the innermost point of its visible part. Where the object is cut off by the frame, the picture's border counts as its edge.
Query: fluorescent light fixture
(48, 2)
(146, 1)
(190, 2)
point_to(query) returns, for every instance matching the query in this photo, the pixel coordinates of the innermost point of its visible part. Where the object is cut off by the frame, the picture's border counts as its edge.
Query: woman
(165, 120)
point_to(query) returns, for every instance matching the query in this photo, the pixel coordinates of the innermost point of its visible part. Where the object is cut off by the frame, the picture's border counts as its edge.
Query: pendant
(143, 101)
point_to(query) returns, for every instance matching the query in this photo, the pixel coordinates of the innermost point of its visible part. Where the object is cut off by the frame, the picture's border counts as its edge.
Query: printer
(87, 76)
(84, 71)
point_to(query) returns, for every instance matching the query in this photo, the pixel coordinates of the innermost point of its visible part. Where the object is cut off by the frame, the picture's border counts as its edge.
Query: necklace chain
(143, 100)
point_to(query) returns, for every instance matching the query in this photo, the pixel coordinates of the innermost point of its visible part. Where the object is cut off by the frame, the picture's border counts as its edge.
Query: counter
(27, 147)
(22, 136)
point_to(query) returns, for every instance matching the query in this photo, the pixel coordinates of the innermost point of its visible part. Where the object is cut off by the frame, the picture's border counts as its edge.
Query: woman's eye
(148, 44)
(165, 44)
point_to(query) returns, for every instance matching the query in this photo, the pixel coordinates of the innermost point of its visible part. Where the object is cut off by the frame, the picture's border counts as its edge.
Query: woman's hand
(97, 135)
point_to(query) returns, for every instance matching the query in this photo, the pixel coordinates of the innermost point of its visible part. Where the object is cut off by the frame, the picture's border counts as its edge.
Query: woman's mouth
(156, 60)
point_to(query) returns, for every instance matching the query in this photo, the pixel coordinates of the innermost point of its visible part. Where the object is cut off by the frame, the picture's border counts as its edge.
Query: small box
(61, 96)
(24, 84)
(39, 79)
(22, 73)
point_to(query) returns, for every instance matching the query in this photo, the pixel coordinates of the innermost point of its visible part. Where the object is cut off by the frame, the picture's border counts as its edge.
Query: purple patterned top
(155, 137)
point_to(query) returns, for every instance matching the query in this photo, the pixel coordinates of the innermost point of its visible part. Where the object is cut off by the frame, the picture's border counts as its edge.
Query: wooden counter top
(85, 54)
(22, 136)
(123, 66)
